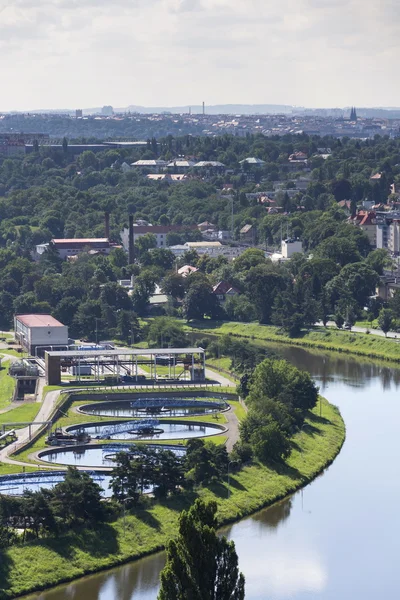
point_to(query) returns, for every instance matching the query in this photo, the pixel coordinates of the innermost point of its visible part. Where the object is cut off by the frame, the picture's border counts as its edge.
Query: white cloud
(162, 52)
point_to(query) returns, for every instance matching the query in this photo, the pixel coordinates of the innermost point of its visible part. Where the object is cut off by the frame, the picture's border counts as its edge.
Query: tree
(270, 443)
(78, 498)
(173, 285)
(164, 332)
(339, 319)
(277, 379)
(262, 284)
(146, 242)
(125, 478)
(168, 473)
(385, 320)
(200, 564)
(200, 301)
(128, 326)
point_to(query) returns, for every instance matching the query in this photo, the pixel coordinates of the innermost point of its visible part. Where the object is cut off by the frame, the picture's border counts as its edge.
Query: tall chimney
(107, 225)
(204, 109)
(131, 242)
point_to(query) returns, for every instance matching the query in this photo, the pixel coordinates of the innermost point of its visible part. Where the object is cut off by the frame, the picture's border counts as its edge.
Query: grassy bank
(7, 385)
(359, 344)
(46, 563)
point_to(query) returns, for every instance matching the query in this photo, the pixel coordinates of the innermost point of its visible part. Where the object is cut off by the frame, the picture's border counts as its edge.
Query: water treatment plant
(126, 418)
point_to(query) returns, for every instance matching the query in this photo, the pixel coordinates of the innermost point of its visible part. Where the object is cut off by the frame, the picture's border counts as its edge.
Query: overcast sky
(86, 53)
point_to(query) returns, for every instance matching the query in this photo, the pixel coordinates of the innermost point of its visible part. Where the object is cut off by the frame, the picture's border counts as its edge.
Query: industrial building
(124, 364)
(74, 246)
(36, 333)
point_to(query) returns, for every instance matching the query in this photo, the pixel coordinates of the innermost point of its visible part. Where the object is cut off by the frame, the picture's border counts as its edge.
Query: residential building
(206, 226)
(253, 161)
(167, 177)
(212, 249)
(36, 333)
(224, 290)
(248, 234)
(187, 270)
(290, 246)
(366, 220)
(298, 157)
(156, 166)
(388, 231)
(180, 165)
(375, 178)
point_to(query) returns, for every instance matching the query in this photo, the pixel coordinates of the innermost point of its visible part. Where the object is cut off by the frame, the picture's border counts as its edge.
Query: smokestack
(131, 243)
(107, 225)
(204, 109)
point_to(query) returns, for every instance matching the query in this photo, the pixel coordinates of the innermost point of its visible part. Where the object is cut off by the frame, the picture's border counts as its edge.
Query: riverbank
(358, 344)
(46, 563)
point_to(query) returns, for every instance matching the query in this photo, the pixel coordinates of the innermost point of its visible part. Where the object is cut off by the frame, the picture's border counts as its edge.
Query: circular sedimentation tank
(18, 483)
(155, 407)
(148, 429)
(99, 456)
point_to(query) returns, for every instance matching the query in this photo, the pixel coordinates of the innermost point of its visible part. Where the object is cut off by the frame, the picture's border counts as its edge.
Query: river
(339, 538)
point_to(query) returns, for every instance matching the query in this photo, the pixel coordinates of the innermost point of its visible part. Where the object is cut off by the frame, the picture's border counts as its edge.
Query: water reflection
(276, 515)
(328, 368)
(119, 584)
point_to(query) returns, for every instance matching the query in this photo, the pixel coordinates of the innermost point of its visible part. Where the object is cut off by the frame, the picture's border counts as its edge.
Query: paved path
(22, 434)
(356, 329)
(214, 375)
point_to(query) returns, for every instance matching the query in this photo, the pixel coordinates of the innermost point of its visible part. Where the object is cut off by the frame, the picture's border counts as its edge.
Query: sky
(87, 53)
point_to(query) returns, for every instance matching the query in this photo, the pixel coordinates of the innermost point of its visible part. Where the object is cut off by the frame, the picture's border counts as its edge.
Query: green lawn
(7, 385)
(45, 563)
(23, 413)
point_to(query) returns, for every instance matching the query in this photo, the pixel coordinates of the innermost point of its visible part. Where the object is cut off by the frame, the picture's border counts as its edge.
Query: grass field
(7, 385)
(361, 344)
(45, 563)
(23, 413)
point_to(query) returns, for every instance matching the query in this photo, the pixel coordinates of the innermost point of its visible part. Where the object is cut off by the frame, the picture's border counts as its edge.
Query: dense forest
(46, 194)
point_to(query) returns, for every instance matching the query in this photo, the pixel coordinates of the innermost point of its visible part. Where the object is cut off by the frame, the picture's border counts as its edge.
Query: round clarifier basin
(161, 430)
(17, 484)
(99, 456)
(154, 407)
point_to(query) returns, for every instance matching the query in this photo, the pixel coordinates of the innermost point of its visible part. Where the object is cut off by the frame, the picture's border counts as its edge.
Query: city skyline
(311, 53)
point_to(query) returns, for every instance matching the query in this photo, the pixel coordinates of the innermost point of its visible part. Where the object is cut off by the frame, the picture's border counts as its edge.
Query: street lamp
(231, 462)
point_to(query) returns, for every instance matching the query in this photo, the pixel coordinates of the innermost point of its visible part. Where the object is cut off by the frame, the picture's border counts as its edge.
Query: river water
(339, 538)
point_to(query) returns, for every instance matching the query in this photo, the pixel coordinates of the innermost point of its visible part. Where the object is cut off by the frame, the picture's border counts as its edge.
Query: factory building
(36, 333)
(75, 246)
